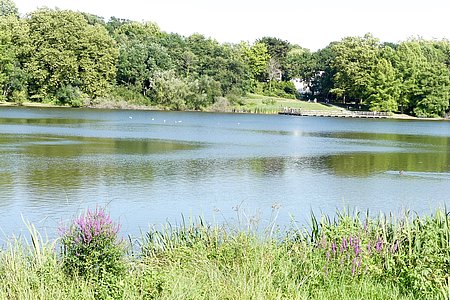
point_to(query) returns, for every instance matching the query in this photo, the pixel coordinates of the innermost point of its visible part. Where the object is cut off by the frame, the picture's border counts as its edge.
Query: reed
(351, 255)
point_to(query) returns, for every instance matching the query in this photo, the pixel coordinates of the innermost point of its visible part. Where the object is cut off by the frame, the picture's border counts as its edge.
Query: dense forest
(78, 59)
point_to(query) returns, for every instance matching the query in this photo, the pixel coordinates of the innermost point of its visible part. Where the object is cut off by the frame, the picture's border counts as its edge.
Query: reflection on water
(155, 166)
(427, 175)
(366, 164)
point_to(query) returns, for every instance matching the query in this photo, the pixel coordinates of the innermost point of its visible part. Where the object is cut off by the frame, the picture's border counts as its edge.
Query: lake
(151, 167)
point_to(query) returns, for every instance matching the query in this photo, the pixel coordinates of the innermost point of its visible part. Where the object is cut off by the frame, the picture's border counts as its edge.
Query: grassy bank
(253, 103)
(348, 257)
(249, 104)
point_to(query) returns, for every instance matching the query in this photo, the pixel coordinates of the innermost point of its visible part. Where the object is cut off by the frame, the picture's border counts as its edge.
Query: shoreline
(313, 260)
(125, 106)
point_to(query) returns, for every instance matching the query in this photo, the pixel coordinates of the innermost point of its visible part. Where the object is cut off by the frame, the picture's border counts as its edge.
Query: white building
(301, 86)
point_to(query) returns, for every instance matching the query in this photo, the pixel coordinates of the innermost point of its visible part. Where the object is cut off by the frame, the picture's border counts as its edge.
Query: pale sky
(310, 24)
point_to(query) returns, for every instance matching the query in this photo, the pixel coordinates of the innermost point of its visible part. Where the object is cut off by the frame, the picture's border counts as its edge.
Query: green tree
(423, 66)
(93, 19)
(13, 51)
(356, 58)
(278, 50)
(114, 23)
(183, 59)
(384, 88)
(169, 90)
(256, 57)
(140, 54)
(68, 53)
(132, 31)
(322, 72)
(8, 8)
(299, 64)
(223, 63)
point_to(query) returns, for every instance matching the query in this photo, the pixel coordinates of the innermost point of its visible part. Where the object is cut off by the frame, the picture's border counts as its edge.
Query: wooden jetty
(334, 113)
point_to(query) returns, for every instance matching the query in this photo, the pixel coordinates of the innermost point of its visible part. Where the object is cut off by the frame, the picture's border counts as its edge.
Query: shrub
(19, 97)
(91, 248)
(70, 95)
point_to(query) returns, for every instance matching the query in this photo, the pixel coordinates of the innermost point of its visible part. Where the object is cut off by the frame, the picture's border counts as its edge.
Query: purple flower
(333, 248)
(357, 249)
(89, 227)
(394, 248)
(379, 245)
(344, 245)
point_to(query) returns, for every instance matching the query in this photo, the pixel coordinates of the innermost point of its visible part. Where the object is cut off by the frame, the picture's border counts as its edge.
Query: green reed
(351, 255)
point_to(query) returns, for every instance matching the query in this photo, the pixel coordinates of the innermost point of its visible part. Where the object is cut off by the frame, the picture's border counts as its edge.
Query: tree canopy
(72, 58)
(68, 54)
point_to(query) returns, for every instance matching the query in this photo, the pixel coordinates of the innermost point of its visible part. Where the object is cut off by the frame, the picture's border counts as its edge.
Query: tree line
(75, 58)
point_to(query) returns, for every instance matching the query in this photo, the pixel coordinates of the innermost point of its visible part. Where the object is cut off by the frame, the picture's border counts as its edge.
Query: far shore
(126, 106)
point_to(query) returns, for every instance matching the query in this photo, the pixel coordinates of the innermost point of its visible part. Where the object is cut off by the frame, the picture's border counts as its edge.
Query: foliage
(348, 256)
(8, 8)
(13, 50)
(300, 64)
(426, 78)
(75, 58)
(278, 50)
(169, 90)
(354, 63)
(283, 89)
(411, 252)
(65, 50)
(257, 58)
(69, 95)
(384, 88)
(91, 249)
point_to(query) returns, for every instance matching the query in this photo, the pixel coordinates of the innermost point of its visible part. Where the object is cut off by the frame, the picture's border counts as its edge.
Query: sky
(311, 24)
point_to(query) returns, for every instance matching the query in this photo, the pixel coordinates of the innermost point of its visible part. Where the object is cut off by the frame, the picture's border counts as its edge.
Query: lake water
(151, 167)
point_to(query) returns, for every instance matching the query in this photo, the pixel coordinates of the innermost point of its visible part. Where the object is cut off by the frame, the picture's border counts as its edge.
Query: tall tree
(13, 50)
(323, 72)
(356, 57)
(384, 87)
(299, 64)
(256, 57)
(223, 63)
(8, 8)
(278, 50)
(140, 54)
(68, 54)
(425, 76)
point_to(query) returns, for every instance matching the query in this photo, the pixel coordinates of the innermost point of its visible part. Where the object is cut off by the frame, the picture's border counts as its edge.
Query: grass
(251, 103)
(350, 256)
(263, 104)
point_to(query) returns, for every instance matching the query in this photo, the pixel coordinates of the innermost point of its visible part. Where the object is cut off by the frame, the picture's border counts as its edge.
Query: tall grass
(347, 256)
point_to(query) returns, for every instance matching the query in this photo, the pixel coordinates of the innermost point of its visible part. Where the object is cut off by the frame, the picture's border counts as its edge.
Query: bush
(130, 94)
(70, 95)
(284, 89)
(19, 97)
(91, 248)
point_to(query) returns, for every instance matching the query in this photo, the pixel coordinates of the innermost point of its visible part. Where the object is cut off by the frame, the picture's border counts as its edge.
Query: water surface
(152, 167)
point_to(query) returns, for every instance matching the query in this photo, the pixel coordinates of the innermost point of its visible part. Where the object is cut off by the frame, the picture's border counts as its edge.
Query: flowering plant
(90, 246)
